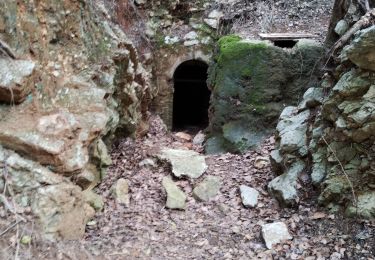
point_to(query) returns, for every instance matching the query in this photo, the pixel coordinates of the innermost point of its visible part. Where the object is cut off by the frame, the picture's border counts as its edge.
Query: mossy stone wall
(251, 82)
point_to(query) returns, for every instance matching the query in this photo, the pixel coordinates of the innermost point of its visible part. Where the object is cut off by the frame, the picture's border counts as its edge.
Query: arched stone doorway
(191, 96)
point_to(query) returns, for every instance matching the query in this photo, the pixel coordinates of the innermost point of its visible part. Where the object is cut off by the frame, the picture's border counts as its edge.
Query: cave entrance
(191, 96)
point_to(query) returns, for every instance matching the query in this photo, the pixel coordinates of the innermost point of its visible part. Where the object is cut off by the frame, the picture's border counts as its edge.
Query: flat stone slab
(176, 198)
(249, 196)
(185, 163)
(275, 233)
(207, 189)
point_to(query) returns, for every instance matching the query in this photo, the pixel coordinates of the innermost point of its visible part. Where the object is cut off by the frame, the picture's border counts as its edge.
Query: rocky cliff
(69, 79)
(330, 134)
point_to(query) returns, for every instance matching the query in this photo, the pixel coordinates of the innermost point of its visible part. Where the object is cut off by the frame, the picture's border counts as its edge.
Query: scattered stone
(91, 223)
(183, 136)
(214, 19)
(207, 189)
(191, 43)
(249, 196)
(176, 198)
(148, 162)
(261, 162)
(171, 40)
(121, 192)
(93, 199)
(185, 163)
(199, 138)
(25, 240)
(341, 27)
(191, 36)
(275, 233)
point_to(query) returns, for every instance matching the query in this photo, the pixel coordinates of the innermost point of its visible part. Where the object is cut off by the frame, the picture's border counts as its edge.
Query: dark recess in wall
(191, 96)
(285, 43)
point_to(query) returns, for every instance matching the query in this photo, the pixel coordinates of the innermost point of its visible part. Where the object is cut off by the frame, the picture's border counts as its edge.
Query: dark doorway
(191, 96)
(285, 43)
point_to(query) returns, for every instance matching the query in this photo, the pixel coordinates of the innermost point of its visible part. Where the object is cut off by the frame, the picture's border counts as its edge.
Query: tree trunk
(340, 8)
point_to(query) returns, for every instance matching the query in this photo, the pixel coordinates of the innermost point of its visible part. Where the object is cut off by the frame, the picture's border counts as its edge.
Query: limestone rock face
(362, 49)
(292, 131)
(184, 163)
(57, 203)
(76, 81)
(366, 206)
(93, 199)
(337, 131)
(15, 79)
(60, 139)
(176, 198)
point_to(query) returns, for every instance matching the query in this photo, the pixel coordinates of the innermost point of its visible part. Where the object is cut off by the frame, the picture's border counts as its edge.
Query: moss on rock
(252, 80)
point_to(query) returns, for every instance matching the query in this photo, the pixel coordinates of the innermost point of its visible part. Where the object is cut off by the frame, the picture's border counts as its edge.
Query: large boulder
(251, 82)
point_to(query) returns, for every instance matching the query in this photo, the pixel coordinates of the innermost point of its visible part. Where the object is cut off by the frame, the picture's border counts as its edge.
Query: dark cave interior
(285, 43)
(191, 96)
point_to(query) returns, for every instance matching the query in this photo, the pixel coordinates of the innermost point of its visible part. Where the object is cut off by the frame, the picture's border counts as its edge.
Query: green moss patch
(251, 80)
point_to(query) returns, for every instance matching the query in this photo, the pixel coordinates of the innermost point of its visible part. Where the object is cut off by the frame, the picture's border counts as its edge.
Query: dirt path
(221, 228)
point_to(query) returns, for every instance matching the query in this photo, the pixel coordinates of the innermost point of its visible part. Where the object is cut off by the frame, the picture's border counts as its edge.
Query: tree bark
(340, 8)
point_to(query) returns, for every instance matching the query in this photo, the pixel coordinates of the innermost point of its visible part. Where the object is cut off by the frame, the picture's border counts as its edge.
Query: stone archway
(191, 96)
